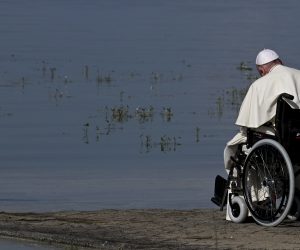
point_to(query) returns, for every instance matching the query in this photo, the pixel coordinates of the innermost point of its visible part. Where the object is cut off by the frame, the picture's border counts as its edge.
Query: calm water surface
(8, 244)
(126, 104)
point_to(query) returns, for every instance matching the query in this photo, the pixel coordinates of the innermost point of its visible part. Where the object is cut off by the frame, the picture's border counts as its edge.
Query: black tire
(268, 181)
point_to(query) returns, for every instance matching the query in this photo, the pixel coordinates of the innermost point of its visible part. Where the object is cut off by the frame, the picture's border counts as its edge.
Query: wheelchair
(262, 181)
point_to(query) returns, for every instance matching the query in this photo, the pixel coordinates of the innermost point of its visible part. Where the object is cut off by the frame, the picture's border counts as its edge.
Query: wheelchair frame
(262, 182)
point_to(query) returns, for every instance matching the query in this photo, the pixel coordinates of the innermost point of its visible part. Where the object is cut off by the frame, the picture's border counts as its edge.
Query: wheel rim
(268, 182)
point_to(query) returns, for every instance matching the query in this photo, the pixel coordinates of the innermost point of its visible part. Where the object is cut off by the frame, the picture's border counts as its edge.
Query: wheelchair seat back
(287, 128)
(287, 125)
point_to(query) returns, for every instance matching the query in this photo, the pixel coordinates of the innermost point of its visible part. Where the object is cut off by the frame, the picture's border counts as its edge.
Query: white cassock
(259, 104)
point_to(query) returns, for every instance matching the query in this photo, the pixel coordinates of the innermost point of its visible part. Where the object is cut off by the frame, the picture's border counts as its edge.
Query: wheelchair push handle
(287, 96)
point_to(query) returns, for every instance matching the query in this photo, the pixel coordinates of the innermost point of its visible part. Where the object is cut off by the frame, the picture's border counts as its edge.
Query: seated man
(259, 105)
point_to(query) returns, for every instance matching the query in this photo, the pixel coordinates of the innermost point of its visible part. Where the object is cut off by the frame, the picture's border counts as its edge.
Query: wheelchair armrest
(255, 136)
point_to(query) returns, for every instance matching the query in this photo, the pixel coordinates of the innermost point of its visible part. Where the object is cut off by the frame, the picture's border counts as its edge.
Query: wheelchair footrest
(217, 201)
(220, 191)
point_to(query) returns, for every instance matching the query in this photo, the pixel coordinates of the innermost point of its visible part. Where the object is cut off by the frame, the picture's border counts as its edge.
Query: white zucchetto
(266, 56)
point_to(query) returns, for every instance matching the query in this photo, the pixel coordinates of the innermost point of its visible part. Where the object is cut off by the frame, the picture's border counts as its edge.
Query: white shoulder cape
(259, 104)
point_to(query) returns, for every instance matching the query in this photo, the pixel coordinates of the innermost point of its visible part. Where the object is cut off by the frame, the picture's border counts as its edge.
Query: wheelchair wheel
(268, 181)
(238, 212)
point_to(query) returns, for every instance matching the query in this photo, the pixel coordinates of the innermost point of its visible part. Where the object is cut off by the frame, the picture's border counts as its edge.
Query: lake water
(8, 244)
(126, 104)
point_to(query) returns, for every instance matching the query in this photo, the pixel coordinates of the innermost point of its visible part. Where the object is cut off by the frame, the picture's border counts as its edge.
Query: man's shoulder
(285, 69)
(280, 74)
(277, 73)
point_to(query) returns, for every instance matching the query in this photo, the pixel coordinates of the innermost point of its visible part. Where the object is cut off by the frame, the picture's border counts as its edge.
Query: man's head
(265, 60)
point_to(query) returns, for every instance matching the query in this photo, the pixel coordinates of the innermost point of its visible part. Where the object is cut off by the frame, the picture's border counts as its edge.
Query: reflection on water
(130, 106)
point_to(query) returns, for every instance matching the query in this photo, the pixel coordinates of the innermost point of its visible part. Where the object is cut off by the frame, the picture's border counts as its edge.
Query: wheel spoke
(268, 182)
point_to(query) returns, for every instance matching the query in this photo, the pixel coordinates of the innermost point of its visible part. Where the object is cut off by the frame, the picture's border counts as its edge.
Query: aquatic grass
(58, 94)
(86, 72)
(44, 68)
(178, 77)
(113, 117)
(5, 114)
(52, 73)
(146, 143)
(248, 72)
(197, 134)
(220, 106)
(156, 76)
(251, 77)
(89, 128)
(188, 65)
(133, 75)
(165, 144)
(85, 137)
(231, 98)
(67, 79)
(168, 143)
(103, 79)
(235, 96)
(244, 67)
(120, 113)
(122, 96)
(13, 57)
(98, 133)
(167, 114)
(144, 114)
(162, 78)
